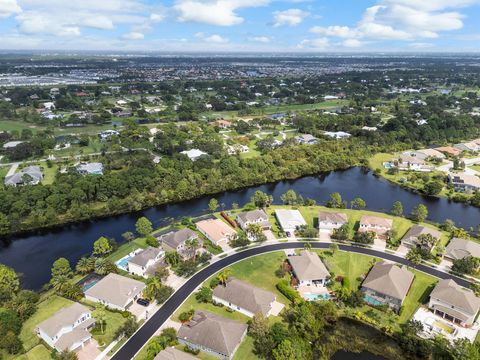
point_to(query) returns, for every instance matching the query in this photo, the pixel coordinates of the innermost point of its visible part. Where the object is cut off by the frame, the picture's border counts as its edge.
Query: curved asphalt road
(140, 338)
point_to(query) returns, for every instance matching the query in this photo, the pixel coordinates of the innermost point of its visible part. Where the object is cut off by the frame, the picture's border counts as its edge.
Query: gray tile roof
(116, 289)
(213, 332)
(389, 279)
(62, 318)
(175, 238)
(144, 256)
(16, 179)
(253, 216)
(416, 230)
(459, 248)
(246, 296)
(449, 292)
(173, 354)
(308, 266)
(332, 217)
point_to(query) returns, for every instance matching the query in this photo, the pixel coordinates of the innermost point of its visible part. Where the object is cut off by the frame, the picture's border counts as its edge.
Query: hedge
(284, 287)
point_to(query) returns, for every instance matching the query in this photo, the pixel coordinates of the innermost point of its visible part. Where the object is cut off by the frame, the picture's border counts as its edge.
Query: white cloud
(134, 35)
(260, 39)
(404, 20)
(215, 38)
(290, 17)
(317, 44)
(214, 12)
(352, 43)
(9, 7)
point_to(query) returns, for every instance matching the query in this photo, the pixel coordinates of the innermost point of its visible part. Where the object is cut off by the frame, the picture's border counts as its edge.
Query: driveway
(140, 338)
(89, 351)
(269, 235)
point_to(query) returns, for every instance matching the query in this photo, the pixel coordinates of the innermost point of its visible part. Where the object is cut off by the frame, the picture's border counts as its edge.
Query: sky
(241, 25)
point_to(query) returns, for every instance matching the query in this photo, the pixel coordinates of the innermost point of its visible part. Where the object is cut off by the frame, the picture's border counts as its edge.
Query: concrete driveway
(89, 351)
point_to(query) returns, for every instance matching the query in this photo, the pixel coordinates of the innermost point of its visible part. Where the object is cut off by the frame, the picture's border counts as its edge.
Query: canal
(33, 255)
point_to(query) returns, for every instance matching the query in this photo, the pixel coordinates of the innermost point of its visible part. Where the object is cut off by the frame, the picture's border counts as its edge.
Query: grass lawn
(49, 174)
(46, 308)
(127, 248)
(349, 265)
(245, 350)
(418, 294)
(6, 125)
(112, 322)
(39, 352)
(475, 167)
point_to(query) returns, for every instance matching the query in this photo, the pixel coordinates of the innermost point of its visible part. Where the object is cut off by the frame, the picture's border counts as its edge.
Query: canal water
(33, 255)
(344, 355)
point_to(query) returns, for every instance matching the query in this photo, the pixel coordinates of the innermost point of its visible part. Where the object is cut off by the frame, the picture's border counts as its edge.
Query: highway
(141, 337)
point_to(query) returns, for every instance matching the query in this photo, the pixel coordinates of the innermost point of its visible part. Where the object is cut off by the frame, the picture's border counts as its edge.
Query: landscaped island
(297, 303)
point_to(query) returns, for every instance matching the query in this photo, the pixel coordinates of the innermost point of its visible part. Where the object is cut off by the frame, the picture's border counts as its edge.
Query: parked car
(143, 302)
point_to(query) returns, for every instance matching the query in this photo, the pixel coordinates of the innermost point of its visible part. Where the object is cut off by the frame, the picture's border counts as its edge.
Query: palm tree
(59, 282)
(224, 276)
(153, 287)
(101, 266)
(84, 266)
(100, 316)
(193, 245)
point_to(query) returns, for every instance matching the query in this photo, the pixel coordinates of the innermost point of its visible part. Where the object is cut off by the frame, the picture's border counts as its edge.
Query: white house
(378, 225)
(194, 154)
(244, 298)
(289, 220)
(454, 303)
(67, 329)
(254, 217)
(308, 269)
(144, 260)
(327, 221)
(115, 291)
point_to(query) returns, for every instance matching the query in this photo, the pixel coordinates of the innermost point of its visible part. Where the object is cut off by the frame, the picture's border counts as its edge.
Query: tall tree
(102, 246)
(213, 205)
(397, 209)
(144, 226)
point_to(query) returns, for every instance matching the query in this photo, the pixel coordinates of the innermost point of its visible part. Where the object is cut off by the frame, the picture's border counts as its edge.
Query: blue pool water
(315, 297)
(372, 301)
(89, 285)
(123, 263)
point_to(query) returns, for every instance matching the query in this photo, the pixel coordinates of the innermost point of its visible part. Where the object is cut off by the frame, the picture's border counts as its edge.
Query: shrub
(190, 350)
(288, 291)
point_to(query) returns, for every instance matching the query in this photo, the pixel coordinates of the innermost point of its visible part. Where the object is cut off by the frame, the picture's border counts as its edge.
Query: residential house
(115, 291)
(448, 150)
(212, 334)
(327, 221)
(430, 153)
(289, 220)
(107, 134)
(308, 269)
(94, 168)
(454, 303)
(194, 154)
(12, 144)
(387, 284)
(337, 134)
(408, 161)
(410, 239)
(223, 124)
(244, 298)
(31, 175)
(459, 248)
(307, 139)
(68, 328)
(172, 353)
(378, 225)
(463, 182)
(468, 146)
(254, 217)
(215, 230)
(177, 240)
(145, 260)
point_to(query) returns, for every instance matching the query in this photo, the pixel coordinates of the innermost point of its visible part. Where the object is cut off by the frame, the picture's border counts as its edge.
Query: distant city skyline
(241, 25)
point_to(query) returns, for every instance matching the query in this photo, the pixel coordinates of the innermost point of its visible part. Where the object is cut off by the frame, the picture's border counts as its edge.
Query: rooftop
(448, 291)
(308, 266)
(389, 279)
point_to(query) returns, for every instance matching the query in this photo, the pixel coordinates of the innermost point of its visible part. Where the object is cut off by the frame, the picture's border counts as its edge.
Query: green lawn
(350, 265)
(475, 167)
(39, 352)
(418, 294)
(46, 308)
(245, 350)
(112, 322)
(6, 125)
(49, 174)
(127, 248)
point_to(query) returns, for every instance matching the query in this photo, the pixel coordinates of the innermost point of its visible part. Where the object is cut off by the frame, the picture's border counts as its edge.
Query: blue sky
(241, 25)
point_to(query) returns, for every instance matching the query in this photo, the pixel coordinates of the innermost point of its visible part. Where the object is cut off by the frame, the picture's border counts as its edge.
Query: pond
(364, 355)
(33, 255)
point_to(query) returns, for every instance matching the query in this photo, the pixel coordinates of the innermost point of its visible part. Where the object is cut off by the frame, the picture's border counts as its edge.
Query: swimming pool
(372, 301)
(89, 285)
(122, 263)
(315, 297)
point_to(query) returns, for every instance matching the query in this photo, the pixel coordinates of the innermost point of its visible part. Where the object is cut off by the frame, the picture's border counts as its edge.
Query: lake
(33, 255)
(364, 355)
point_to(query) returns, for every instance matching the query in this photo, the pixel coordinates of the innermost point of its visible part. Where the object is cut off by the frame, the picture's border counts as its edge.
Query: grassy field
(418, 294)
(49, 173)
(6, 125)
(245, 350)
(127, 248)
(113, 321)
(475, 167)
(349, 265)
(39, 352)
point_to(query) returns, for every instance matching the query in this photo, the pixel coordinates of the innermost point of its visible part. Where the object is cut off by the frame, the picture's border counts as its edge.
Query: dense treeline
(132, 182)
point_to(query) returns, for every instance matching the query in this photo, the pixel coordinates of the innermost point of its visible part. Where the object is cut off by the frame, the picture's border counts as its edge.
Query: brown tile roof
(144, 256)
(246, 296)
(376, 221)
(215, 229)
(173, 354)
(459, 248)
(332, 217)
(175, 238)
(308, 266)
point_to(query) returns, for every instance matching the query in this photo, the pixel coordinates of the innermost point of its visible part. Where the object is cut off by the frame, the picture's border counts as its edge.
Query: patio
(313, 292)
(89, 351)
(436, 325)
